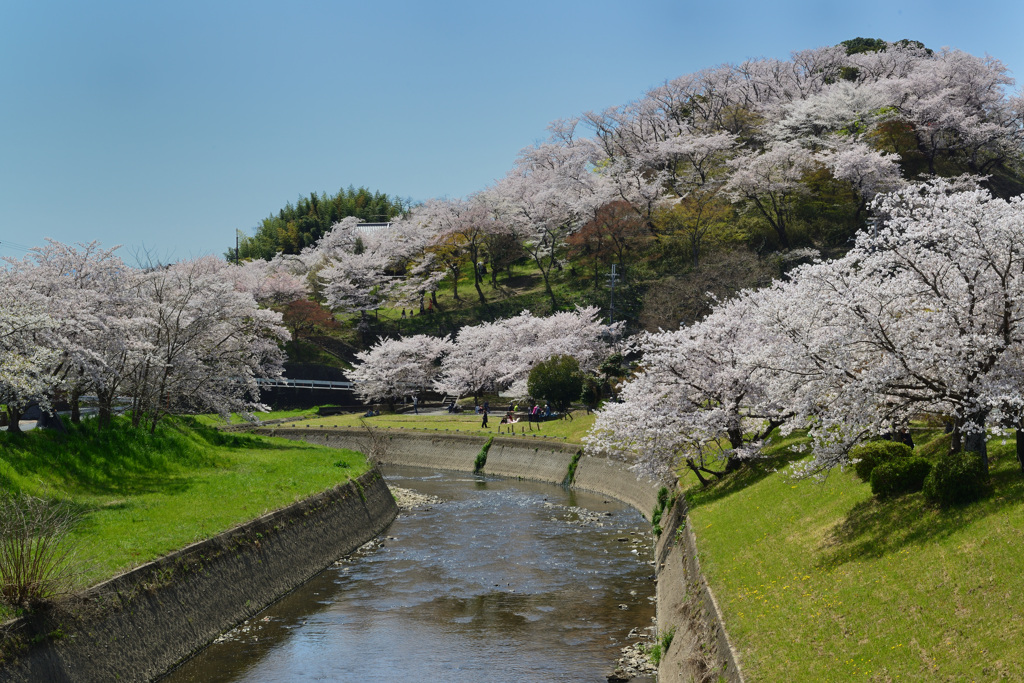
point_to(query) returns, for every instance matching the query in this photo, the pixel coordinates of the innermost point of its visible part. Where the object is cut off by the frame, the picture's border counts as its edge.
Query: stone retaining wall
(140, 624)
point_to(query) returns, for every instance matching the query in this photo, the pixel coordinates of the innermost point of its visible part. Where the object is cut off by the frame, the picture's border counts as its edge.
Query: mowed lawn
(820, 581)
(569, 431)
(142, 495)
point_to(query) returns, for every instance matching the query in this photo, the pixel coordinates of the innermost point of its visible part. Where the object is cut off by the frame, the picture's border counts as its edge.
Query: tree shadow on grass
(877, 527)
(749, 474)
(124, 460)
(120, 460)
(95, 474)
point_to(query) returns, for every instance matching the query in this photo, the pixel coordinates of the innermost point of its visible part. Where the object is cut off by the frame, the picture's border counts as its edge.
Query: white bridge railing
(284, 382)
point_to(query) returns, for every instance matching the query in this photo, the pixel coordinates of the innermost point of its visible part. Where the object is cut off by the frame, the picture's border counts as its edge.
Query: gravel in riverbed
(408, 500)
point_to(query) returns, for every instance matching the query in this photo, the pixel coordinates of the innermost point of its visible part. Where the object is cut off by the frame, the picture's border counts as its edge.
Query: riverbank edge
(685, 602)
(140, 624)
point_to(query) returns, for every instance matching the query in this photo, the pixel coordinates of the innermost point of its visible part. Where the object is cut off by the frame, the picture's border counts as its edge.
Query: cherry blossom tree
(397, 368)
(269, 282)
(356, 283)
(499, 355)
(956, 104)
(868, 171)
(461, 228)
(695, 173)
(24, 361)
(423, 277)
(91, 296)
(359, 272)
(842, 108)
(477, 361)
(700, 399)
(771, 181)
(924, 316)
(549, 194)
(208, 343)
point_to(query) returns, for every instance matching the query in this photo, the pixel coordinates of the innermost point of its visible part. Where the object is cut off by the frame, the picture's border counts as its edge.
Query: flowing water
(503, 580)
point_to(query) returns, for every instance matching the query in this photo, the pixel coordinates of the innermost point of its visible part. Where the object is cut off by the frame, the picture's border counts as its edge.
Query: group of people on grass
(534, 413)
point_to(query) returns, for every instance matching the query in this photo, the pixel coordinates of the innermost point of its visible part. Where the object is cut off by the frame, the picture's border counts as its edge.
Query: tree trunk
(51, 421)
(956, 440)
(13, 418)
(1020, 448)
(547, 285)
(477, 281)
(76, 410)
(693, 467)
(105, 400)
(735, 437)
(455, 283)
(976, 441)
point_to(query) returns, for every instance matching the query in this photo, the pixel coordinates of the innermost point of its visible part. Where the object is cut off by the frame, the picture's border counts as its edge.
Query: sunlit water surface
(503, 581)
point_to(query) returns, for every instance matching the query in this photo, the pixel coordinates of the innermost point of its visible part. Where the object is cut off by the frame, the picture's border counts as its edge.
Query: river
(502, 580)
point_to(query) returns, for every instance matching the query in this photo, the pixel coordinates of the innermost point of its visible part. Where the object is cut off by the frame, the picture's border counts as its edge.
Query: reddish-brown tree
(307, 316)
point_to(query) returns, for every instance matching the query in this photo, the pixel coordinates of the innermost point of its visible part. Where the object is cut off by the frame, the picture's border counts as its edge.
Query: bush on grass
(872, 454)
(899, 476)
(956, 478)
(37, 561)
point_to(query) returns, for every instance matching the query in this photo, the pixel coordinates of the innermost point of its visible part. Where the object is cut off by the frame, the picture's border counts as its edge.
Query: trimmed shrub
(873, 453)
(956, 478)
(896, 477)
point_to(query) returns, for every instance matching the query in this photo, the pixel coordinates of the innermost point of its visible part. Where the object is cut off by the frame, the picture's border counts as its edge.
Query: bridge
(284, 382)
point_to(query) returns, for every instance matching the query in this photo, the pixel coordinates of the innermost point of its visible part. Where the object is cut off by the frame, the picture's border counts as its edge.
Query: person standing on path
(483, 425)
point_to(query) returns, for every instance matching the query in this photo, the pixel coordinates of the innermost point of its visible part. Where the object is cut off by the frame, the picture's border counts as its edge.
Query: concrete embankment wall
(685, 601)
(537, 459)
(140, 624)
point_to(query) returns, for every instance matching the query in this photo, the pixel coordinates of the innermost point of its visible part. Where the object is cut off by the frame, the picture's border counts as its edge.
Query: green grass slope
(819, 581)
(143, 495)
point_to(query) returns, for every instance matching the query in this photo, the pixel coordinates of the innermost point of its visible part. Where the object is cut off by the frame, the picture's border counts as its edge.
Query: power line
(14, 245)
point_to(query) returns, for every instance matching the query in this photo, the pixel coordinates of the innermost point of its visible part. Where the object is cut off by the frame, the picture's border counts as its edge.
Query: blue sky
(166, 126)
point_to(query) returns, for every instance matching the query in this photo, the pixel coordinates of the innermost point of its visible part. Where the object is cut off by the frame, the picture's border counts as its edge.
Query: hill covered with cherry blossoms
(714, 181)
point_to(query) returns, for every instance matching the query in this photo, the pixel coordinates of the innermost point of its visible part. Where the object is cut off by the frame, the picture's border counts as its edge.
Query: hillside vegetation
(716, 181)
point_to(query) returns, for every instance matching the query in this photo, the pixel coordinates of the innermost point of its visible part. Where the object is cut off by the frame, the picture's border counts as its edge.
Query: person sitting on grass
(509, 419)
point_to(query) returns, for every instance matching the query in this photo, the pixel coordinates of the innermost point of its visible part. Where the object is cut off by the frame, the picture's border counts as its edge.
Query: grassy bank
(237, 418)
(145, 495)
(820, 581)
(570, 431)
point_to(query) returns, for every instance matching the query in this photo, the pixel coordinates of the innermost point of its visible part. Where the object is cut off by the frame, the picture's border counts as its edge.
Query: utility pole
(612, 279)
